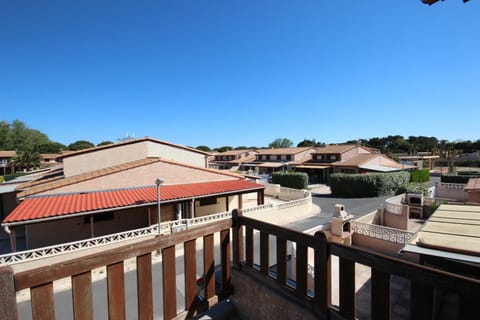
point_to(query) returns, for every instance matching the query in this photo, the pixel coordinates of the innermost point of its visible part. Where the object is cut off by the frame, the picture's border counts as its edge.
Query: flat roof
(452, 232)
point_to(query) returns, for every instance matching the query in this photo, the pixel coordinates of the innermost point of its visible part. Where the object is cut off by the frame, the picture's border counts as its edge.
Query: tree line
(391, 144)
(18, 136)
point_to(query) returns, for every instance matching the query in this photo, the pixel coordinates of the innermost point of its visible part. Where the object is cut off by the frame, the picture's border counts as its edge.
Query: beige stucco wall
(353, 153)
(107, 157)
(144, 176)
(104, 158)
(301, 155)
(74, 229)
(168, 152)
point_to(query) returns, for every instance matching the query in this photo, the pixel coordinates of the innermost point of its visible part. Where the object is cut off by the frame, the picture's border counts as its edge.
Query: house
(96, 177)
(232, 159)
(5, 158)
(347, 158)
(268, 161)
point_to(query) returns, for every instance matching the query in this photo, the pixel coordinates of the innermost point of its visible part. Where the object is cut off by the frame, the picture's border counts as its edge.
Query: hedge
(291, 179)
(452, 178)
(420, 175)
(2, 179)
(367, 185)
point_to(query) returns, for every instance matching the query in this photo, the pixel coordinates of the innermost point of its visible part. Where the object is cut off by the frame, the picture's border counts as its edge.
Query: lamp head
(159, 181)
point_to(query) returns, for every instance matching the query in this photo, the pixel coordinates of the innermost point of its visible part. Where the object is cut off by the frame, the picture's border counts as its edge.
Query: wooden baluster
(144, 287)
(209, 266)
(190, 266)
(169, 283)
(8, 301)
(380, 295)
(249, 246)
(347, 287)
(43, 306)
(116, 291)
(237, 238)
(281, 261)
(82, 296)
(302, 271)
(264, 253)
(323, 275)
(225, 256)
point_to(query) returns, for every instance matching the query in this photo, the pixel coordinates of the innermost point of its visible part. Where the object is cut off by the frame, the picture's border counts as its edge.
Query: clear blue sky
(239, 73)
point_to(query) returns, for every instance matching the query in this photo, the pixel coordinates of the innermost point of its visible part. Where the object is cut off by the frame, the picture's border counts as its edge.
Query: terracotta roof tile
(473, 184)
(335, 149)
(44, 207)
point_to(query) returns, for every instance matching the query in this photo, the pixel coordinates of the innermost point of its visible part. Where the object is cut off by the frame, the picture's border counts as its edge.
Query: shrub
(420, 175)
(2, 179)
(291, 179)
(452, 178)
(416, 187)
(367, 185)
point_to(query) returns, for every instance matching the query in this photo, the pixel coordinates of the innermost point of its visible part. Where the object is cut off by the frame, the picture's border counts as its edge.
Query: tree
(51, 147)
(310, 143)
(27, 159)
(80, 145)
(104, 143)
(280, 143)
(223, 149)
(203, 148)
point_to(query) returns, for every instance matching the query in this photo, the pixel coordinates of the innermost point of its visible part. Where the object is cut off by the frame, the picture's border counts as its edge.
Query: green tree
(310, 143)
(203, 148)
(104, 143)
(223, 149)
(5, 136)
(80, 145)
(51, 147)
(27, 159)
(280, 143)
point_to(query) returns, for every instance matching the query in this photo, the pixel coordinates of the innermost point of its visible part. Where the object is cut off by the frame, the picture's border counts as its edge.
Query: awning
(451, 232)
(271, 165)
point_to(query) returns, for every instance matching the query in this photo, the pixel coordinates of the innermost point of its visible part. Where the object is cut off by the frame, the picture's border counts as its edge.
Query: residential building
(346, 158)
(268, 161)
(234, 160)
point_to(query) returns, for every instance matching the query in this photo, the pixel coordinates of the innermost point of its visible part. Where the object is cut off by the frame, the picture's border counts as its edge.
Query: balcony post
(8, 300)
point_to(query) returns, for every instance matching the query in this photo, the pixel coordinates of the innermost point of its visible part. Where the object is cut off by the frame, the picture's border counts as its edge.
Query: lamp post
(158, 182)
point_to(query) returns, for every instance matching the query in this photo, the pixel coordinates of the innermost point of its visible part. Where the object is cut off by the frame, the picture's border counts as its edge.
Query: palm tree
(27, 159)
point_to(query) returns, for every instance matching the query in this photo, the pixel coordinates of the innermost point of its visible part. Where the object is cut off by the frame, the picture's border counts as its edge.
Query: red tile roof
(43, 207)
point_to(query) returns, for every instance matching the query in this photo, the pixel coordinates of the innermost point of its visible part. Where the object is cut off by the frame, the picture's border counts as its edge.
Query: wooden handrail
(40, 279)
(423, 279)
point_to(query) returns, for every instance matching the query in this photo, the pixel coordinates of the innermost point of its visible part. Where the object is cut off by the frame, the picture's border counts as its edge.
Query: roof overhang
(272, 164)
(311, 166)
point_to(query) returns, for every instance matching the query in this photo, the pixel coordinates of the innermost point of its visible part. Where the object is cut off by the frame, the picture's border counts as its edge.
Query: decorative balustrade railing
(381, 232)
(166, 227)
(451, 186)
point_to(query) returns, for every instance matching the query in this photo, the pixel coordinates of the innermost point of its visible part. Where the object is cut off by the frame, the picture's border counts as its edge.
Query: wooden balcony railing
(424, 281)
(40, 280)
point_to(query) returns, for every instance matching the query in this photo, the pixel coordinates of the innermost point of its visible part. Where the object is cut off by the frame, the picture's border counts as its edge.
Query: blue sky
(241, 73)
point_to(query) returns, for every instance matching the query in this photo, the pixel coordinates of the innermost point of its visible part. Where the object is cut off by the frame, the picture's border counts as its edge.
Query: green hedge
(452, 178)
(2, 179)
(367, 185)
(417, 187)
(420, 175)
(291, 179)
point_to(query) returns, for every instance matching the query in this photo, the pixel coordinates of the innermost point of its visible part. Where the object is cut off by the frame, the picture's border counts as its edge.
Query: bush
(2, 179)
(367, 185)
(420, 175)
(452, 178)
(416, 187)
(291, 179)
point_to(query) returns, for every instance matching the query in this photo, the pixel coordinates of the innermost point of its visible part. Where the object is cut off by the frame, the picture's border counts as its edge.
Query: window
(99, 217)
(289, 157)
(333, 157)
(207, 201)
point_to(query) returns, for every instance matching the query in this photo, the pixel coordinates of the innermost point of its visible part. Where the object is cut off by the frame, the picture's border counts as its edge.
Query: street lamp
(158, 182)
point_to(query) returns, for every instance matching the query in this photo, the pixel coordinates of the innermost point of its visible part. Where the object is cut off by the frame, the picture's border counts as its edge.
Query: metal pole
(158, 182)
